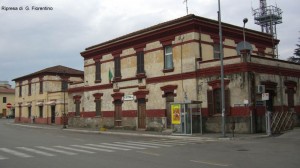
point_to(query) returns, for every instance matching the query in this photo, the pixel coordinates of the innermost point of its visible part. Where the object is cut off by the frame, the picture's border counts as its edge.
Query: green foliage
(296, 57)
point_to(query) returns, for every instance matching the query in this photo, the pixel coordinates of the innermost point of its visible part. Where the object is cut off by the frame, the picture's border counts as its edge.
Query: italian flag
(110, 76)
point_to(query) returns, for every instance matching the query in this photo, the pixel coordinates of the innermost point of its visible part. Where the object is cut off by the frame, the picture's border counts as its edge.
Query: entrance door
(52, 114)
(169, 100)
(141, 113)
(118, 111)
(270, 102)
(4, 113)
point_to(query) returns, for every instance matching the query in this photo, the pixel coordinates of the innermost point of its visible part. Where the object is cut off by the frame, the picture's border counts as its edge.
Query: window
(77, 108)
(117, 67)
(290, 94)
(29, 111)
(140, 63)
(98, 107)
(64, 85)
(4, 100)
(20, 89)
(41, 111)
(41, 87)
(29, 89)
(214, 102)
(168, 58)
(217, 51)
(98, 71)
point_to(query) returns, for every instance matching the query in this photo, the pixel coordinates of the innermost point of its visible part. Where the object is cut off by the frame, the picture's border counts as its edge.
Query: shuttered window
(217, 51)
(98, 107)
(97, 71)
(117, 67)
(140, 63)
(214, 103)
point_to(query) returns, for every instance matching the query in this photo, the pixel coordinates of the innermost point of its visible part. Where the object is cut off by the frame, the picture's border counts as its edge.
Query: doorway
(118, 113)
(141, 113)
(270, 102)
(53, 114)
(169, 100)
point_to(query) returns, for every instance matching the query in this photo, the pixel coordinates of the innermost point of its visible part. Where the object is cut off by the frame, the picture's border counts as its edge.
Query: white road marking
(149, 153)
(108, 147)
(125, 146)
(139, 145)
(16, 153)
(56, 150)
(35, 151)
(73, 149)
(154, 144)
(2, 157)
(93, 148)
(211, 163)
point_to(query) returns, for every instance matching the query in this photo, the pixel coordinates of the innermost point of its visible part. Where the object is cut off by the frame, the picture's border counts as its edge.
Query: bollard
(232, 127)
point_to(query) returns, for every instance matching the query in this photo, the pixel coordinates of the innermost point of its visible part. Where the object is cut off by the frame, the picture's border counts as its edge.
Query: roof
(175, 26)
(7, 90)
(55, 70)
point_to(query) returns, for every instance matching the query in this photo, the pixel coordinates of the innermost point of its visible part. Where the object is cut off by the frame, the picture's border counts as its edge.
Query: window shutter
(140, 62)
(210, 102)
(117, 67)
(98, 71)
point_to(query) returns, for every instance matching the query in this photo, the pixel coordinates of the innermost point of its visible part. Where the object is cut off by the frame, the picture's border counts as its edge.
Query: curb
(143, 134)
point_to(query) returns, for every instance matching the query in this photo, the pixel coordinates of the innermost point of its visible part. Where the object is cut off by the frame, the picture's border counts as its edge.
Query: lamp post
(64, 88)
(244, 21)
(222, 71)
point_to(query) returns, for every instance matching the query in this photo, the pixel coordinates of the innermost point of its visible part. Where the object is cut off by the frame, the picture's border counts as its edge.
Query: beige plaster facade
(141, 100)
(7, 100)
(39, 97)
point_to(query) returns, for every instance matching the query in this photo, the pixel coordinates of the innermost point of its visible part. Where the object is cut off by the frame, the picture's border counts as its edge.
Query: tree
(296, 57)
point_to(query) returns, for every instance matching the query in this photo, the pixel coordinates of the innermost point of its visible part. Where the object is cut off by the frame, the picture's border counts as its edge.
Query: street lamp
(222, 71)
(64, 88)
(244, 21)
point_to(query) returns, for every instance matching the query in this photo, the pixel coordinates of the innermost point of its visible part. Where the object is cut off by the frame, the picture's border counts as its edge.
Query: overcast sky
(32, 40)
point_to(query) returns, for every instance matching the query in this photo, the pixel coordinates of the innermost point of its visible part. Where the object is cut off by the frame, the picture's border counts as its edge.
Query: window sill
(168, 70)
(98, 81)
(141, 75)
(117, 79)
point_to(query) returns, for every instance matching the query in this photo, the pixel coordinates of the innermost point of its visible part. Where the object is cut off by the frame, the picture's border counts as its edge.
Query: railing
(282, 121)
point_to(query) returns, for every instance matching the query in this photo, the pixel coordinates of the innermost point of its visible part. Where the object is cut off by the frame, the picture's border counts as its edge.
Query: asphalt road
(23, 147)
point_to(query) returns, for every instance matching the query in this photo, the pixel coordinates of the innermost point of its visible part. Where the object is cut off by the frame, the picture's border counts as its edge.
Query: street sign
(128, 97)
(265, 96)
(8, 105)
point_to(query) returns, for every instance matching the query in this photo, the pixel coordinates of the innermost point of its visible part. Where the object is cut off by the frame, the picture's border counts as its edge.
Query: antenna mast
(186, 5)
(268, 17)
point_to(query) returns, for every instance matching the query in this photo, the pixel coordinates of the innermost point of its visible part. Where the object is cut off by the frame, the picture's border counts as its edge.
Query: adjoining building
(7, 98)
(41, 97)
(130, 81)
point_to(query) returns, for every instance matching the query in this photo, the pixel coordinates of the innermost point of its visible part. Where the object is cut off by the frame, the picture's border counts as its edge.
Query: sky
(31, 40)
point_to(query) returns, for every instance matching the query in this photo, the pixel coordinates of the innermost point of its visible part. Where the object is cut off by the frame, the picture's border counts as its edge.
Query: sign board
(128, 97)
(264, 96)
(8, 105)
(175, 113)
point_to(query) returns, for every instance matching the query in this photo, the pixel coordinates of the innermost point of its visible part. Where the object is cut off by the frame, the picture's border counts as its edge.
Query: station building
(131, 81)
(7, 99)
(41, 97)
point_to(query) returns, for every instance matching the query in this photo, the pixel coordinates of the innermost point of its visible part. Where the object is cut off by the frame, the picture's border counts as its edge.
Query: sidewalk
(197, 136)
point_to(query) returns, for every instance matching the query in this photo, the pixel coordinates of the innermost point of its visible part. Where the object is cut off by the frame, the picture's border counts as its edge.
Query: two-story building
(41, 97)
(7, 99)
(130, 81)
